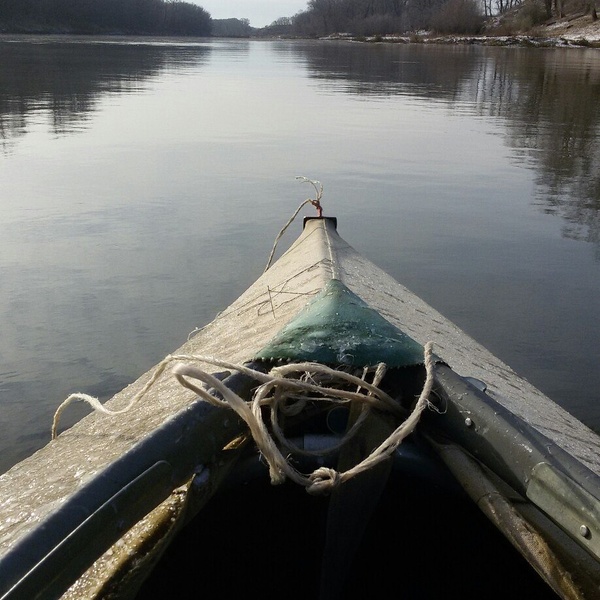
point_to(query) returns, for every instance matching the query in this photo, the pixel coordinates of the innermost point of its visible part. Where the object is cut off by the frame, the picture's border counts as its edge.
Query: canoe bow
(85, 477)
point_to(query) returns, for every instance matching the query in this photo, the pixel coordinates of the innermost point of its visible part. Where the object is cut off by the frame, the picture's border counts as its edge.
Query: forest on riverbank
(321, 18)
(145, 17)
(437, 17)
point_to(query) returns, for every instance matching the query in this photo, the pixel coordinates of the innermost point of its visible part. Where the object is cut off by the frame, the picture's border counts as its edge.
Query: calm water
(142, 183)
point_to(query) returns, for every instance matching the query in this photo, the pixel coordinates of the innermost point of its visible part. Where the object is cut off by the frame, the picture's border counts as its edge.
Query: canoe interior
(426, 539)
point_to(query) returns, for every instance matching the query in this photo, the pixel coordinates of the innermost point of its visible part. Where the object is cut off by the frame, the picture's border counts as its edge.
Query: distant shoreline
(570, 33)
(524, 40)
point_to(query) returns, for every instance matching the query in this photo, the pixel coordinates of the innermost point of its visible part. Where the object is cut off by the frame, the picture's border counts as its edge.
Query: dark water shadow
(66, 77)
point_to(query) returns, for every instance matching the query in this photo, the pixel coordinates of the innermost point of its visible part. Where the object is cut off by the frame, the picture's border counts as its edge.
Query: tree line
(321, 17)
(156, 17)
(380, 17)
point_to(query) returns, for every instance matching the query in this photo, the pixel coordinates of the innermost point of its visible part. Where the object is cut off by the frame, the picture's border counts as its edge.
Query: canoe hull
(88, 452)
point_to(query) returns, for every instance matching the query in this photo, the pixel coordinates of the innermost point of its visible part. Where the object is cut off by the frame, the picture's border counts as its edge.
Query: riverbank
(573, 31)
(580, 28)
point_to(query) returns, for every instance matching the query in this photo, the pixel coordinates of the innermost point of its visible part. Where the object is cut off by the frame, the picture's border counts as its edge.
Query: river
(143, 182)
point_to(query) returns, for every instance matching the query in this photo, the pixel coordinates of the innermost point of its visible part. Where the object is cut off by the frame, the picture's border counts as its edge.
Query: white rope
(96, 405)
(281, 232)
(323, 479)
(160, 368)
(316, 203)
(276, 389)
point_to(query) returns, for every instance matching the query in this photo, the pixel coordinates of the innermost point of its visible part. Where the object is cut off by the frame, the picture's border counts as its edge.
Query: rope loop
(284, 391)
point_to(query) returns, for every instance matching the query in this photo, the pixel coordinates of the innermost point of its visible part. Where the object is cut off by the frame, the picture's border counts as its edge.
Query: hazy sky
(259, 12)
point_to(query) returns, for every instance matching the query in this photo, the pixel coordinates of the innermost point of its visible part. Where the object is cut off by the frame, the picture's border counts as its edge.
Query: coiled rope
(281, 391)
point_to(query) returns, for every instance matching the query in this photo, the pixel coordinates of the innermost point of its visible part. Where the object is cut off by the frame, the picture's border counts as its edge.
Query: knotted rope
(281, 392)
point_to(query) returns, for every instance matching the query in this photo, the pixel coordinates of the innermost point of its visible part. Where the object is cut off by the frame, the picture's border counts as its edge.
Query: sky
(258, 12)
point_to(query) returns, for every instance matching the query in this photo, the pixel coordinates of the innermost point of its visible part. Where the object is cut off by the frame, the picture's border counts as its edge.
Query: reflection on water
(551, 103)
(548, 100)
(54, 75)
(141, 180)
(388, 69)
